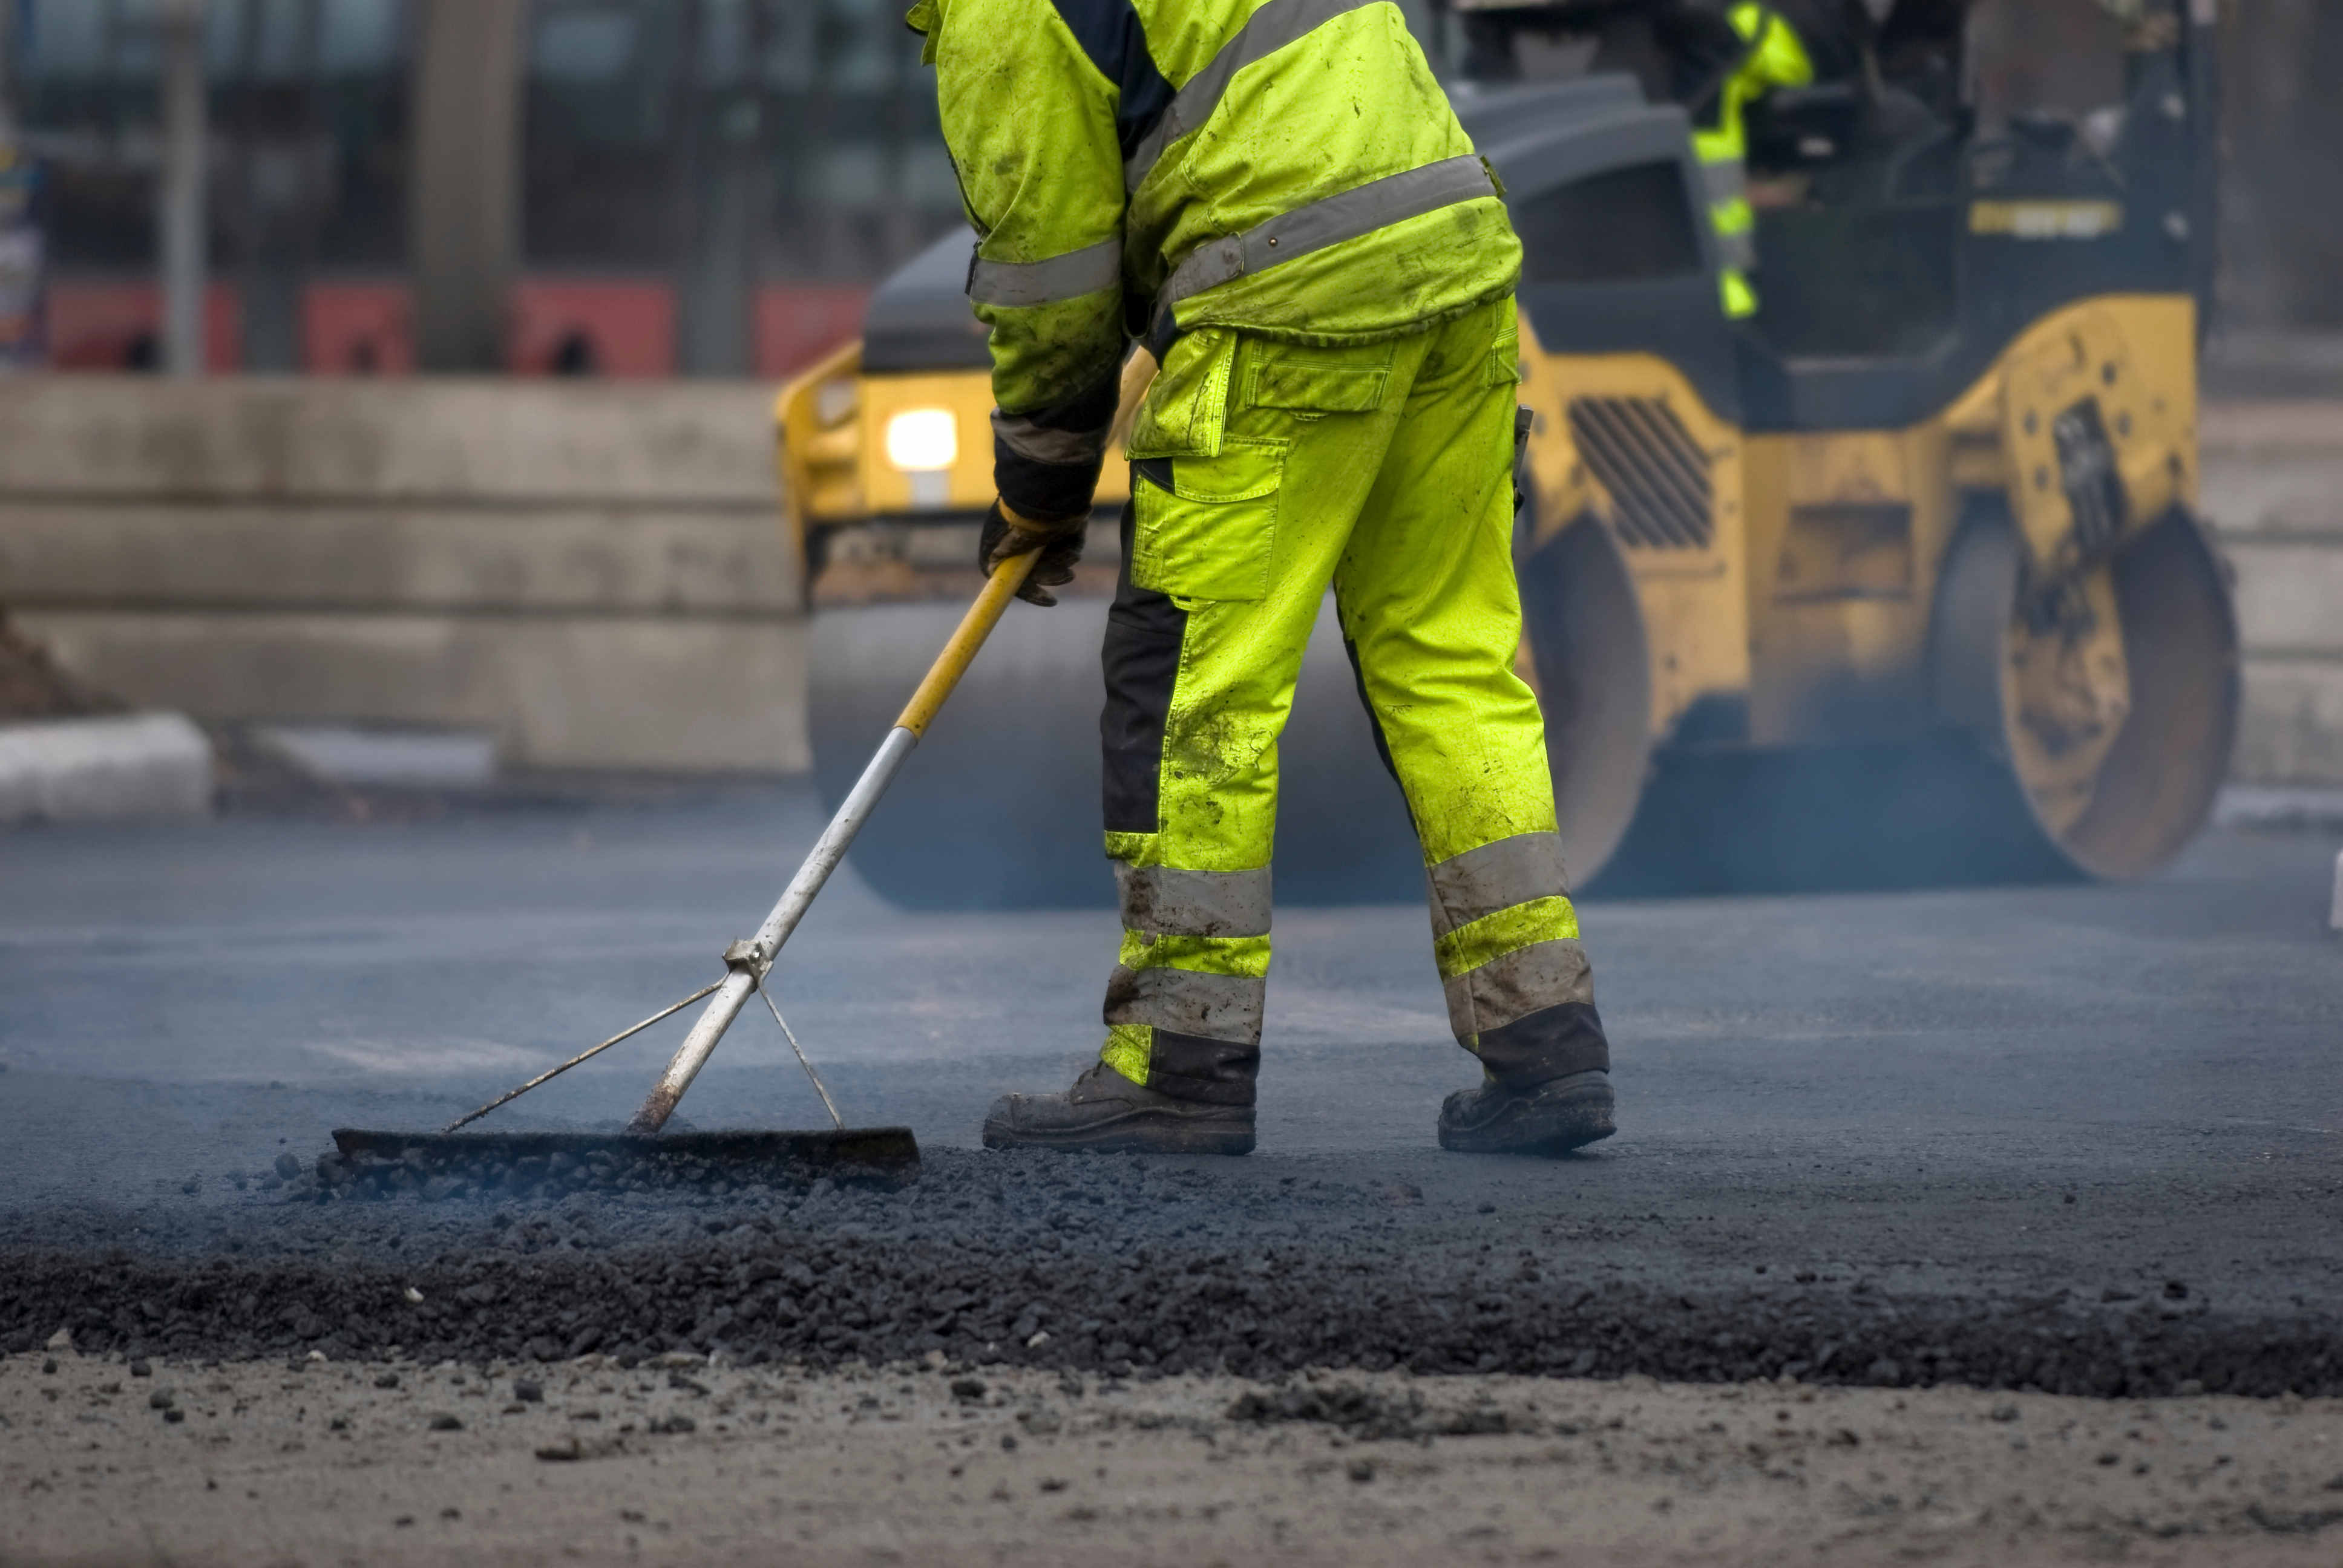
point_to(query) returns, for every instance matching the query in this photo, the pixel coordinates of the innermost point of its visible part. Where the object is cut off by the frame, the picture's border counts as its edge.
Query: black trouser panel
(1215, 1071)
(1552, 1043)
(1141, 656)
(1374, 719)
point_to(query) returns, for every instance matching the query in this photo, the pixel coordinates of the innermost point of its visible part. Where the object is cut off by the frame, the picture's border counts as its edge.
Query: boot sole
(1142, 1132)
(1565, 1117)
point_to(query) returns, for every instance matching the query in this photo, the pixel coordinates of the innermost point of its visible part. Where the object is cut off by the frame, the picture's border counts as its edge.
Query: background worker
(1764, 51)
(1278, 199)
(1717, 58)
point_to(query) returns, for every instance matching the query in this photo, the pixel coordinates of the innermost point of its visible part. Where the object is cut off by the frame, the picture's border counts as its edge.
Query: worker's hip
(1266, 472)
(1248, 448)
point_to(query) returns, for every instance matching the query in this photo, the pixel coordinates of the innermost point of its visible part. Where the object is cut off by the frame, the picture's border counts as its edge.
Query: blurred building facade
(702, 186)
(710, 187)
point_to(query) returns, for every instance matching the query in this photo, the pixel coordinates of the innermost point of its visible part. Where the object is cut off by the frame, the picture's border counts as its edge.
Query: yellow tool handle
(1138, 376)
(974, 628)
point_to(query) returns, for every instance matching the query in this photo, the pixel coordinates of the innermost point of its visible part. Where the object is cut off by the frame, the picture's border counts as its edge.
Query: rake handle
(966, 639)
(748, 970)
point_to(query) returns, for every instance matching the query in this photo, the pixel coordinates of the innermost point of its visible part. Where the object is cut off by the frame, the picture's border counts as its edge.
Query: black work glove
(1006, 536)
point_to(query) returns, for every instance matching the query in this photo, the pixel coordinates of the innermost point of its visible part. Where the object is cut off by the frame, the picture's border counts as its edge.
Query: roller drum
(1591, 654)
(2091, 748)
(999, 807)
(2113, 720)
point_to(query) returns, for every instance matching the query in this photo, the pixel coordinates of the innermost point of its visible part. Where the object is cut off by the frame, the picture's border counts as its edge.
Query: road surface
(1946, 1098)
(2076, 1143)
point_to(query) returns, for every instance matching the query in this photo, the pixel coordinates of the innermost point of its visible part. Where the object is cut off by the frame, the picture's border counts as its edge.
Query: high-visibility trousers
(1734, 221)
(1263, 472)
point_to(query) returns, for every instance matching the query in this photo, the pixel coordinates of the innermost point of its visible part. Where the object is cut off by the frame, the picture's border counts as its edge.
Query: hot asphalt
(2086, 1139)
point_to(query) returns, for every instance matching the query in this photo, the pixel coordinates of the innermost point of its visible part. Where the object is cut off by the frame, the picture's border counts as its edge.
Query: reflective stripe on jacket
(1288, 168)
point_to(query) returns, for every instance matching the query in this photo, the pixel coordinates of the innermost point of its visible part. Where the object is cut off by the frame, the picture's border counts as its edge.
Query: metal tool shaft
(589, 1054)
(741, 983)
(830, 848)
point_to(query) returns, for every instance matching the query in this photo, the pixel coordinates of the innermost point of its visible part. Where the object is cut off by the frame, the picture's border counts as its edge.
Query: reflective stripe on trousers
(1183, 1007)
(1730, 213)
(1521, 994)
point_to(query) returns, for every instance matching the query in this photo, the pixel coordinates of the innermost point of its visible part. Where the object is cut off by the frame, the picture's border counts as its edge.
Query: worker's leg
(1250, 464)
(1433, 618)
(1225, 573)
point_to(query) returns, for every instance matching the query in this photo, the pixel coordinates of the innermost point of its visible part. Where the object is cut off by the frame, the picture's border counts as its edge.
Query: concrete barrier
(85, 770)
(2273, 485)
(594, 572)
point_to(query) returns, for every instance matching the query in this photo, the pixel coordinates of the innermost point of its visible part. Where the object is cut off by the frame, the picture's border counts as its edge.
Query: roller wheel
(2110, 699)
(1591, 659)
(2078, 734)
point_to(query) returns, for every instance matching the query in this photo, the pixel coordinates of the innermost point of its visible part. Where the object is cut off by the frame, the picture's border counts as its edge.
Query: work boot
(1550, 1118)
(1107, 1113)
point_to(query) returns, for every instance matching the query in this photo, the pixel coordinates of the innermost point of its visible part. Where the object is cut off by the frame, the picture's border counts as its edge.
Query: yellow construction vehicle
(1901, 580)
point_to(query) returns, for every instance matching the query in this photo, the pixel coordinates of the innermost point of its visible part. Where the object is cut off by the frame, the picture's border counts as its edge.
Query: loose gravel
(1112, 1265)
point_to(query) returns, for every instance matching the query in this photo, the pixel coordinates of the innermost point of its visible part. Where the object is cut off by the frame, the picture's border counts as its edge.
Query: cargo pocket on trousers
(1207, 533)
(1321, 381)
(1186, 411)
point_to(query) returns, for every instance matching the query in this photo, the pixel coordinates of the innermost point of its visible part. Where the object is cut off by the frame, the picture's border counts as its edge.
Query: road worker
(1272, 198)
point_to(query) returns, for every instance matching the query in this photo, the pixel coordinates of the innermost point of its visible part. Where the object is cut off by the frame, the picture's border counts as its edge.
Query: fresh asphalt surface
(1873, 1137)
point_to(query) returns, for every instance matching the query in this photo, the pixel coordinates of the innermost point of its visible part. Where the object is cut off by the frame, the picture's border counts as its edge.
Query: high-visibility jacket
(1773, 56)
(1144, 167)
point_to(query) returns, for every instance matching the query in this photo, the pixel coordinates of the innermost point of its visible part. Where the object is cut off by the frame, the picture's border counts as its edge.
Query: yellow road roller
(1899, 581)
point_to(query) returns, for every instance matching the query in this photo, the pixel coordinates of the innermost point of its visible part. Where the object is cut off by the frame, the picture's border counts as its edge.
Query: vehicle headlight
(923, 439)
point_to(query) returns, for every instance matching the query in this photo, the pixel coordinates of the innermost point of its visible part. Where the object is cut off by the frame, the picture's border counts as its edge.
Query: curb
(93, 769)
(2312, 809)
